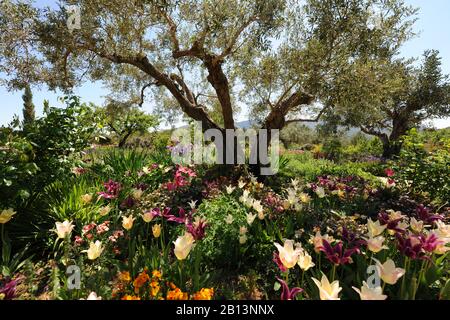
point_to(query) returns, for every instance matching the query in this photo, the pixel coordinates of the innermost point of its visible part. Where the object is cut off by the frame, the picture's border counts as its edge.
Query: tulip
(147, 216)
(242, 230)
(305, 261)
(137, 194)
(192, 204)
(367, 293)
(375, 244)
(63, 229)
(288, 255)
(229, 219)
(305, 198)
(104, 210)
(250, 218)
(388, 272)
(183, 246)
(241, 184)
(320, 192)
(230, 189)
(127, 222)
(328, 291)
(86, 198)
(92, 296)
(317, 241)
(242, 239)
(374, 228)
(6, 215)
(156, 230)
(95, 250)
(416, 226)
(288, 294)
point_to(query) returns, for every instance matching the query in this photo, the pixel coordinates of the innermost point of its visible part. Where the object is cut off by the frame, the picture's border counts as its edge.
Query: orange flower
(177, 294)
(156, 274)
(128, 297)
(124, 276)
(140, 280)
(203, 294)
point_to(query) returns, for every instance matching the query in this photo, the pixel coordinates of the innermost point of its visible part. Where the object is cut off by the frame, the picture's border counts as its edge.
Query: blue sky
(433, 27)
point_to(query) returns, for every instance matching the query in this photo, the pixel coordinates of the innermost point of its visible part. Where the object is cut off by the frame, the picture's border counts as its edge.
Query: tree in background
(389, 99)
(205, 58)
(28, 107)
(123, 120)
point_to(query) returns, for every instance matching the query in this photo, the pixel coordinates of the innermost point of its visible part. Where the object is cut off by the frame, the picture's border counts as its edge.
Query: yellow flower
(86, 198)
(374, 228)
(388, 272)
(63, 229)
(156, 229)
(157, 274)
(147, 216)
(375, 244)
(105, 210)
(203, 294)
(183, 246)
(6, 215)
(305, 261)
(95, 250)
(140, 280)
(288, 255)
(127, 222)
(367, 293)
(154, 288)
(305, 198)
(327, 290)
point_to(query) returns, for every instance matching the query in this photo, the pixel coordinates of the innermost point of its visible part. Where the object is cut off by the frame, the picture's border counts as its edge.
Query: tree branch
(317, 118)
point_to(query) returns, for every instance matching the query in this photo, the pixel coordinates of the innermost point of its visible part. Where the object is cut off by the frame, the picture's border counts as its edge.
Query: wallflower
(305, 261)
(104, 210)
(250, 218)
(288, 255)
(127, 222)
(124, 276)
(147, 216)
(103, 227)
(177, 294)
(156, 230)
(63, 229)
(374, 228)
(327, 290)
(203, 294)
(140, 280)
(375, 244)
(154, 288)
(86, 198)
(367, 293)
(6, 215)
(183, 246)
(157, 274)
(229, 219)
(95, 250)
(388, 272)
(129, 297)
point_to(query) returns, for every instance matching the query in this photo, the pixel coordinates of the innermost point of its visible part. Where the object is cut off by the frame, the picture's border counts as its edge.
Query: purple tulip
(288, 294)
